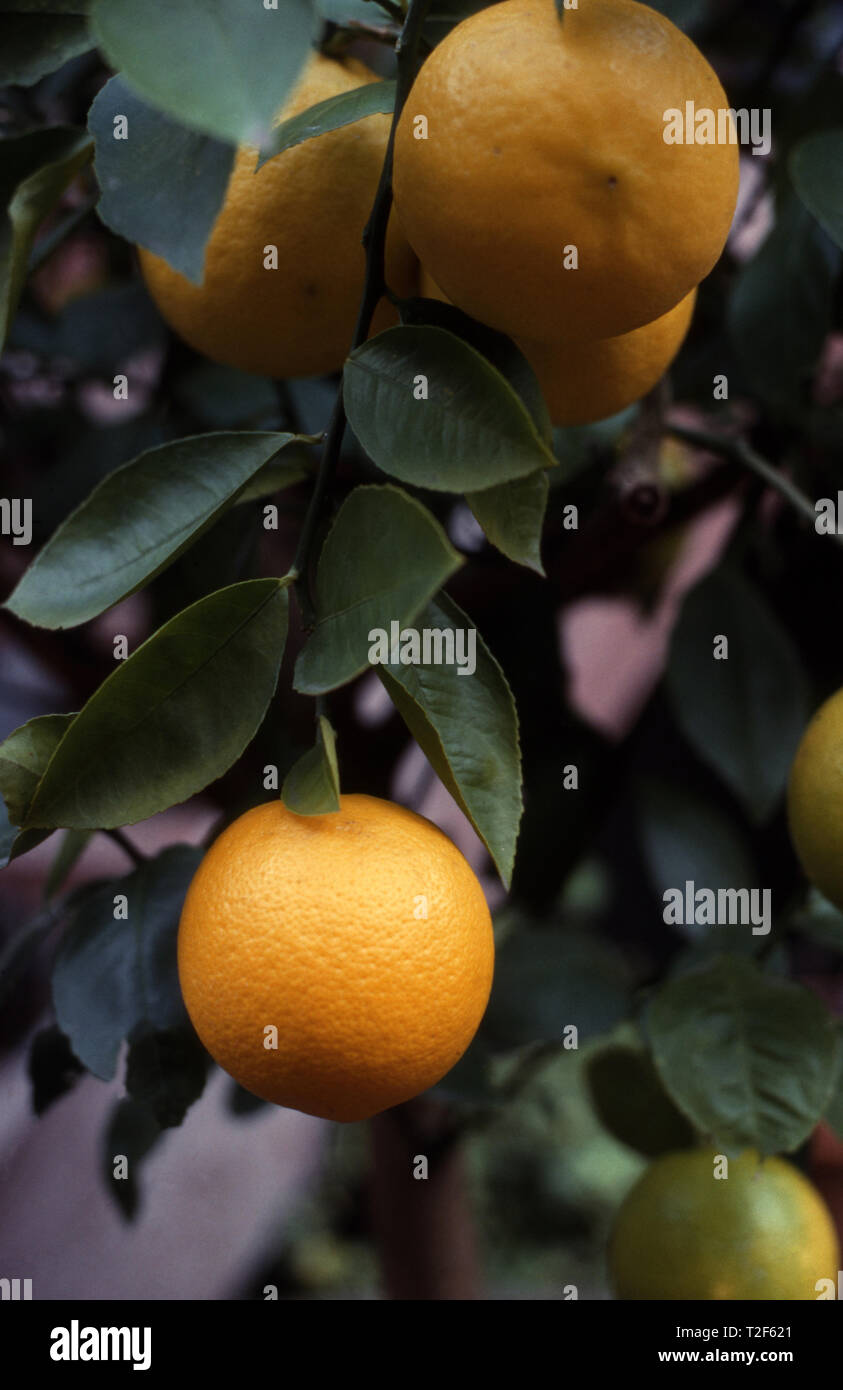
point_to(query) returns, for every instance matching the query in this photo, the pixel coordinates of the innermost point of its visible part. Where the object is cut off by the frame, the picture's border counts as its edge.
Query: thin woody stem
(374, 243)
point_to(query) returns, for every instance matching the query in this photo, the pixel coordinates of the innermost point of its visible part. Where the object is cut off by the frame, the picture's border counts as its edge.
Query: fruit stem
(407, 51)
(127, 847)
(738, 451)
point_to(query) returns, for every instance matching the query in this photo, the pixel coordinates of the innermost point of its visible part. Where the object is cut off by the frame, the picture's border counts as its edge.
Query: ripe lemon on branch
(312, 202)
(763, 1232)
(526, 143)
(362, 936)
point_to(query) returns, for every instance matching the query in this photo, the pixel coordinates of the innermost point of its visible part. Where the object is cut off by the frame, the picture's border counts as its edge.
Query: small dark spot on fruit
(311, 290)
(612, 181)
(496, 149)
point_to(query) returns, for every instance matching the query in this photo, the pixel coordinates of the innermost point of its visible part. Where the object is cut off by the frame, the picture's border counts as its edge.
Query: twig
(374, 243)
(126, 845)
(738, 451)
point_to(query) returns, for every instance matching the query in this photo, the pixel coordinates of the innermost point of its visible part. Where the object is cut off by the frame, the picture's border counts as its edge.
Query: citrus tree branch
(127, 846)
(407, 49)
(738, 451)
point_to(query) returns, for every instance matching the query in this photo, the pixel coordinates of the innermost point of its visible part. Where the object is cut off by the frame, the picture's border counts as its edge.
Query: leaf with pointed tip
(512, 516)
(221, 66)
(172, 718)
(137, 521)
(471, 431)
(382, 561)
(467, 727)
(375, 98)
(312, 786)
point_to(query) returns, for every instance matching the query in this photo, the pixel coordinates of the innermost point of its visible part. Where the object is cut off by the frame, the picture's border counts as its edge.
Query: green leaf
(382, 561)
(73, 845)
(749, 1058)
(24, 757)
(53, 1069)
(8, 834)
(35, 169)
(688, 839)
(164, 185)
(173, 717)
(166, 1070)
(467, 727)
(18, 953)
(819, 920)
(472, 432)
(497, 348)
(135, 523)
(745, 715)
(781, 309)
(31, 45)
(222, 66)
(131, 1133)
(632, 1103)
(512, 516)
(345, 109)
(815, 167)
(312, 786)
(111, 976)
(546, 981)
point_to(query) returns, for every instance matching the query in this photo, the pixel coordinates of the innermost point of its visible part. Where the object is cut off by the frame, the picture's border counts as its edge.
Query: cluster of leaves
(728, 1048)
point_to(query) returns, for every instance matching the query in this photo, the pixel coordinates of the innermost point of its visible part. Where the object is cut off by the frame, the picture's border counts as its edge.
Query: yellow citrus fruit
(586, 381)
(764, 1232)
(545, 135)
(362, 936)
(312, 203)
(815, 800)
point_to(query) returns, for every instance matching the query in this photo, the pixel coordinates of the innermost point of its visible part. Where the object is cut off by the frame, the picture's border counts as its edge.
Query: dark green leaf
(112, 976)
(8, 833)
(815, 167)
(632, 1103)
(312, 786)
(472, 432)
(99, 332)
(73, 845)
(745, 715)
(24, 756)
(18, 953)
(224, 398)
(688, 839)
(32, 45)
(496, 347)
(135, 523)
(35, 169)
(327, 115)
(834, 1111)
(222, 66)
(164, 185)
(53, 1069)
(467, 726)
(132, 1131)
(749, 1058)
(173, 717)
(166, 1070)
(512, 516)
(781, 308)
(545, 982)
(469, 1083)
(383, 560)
